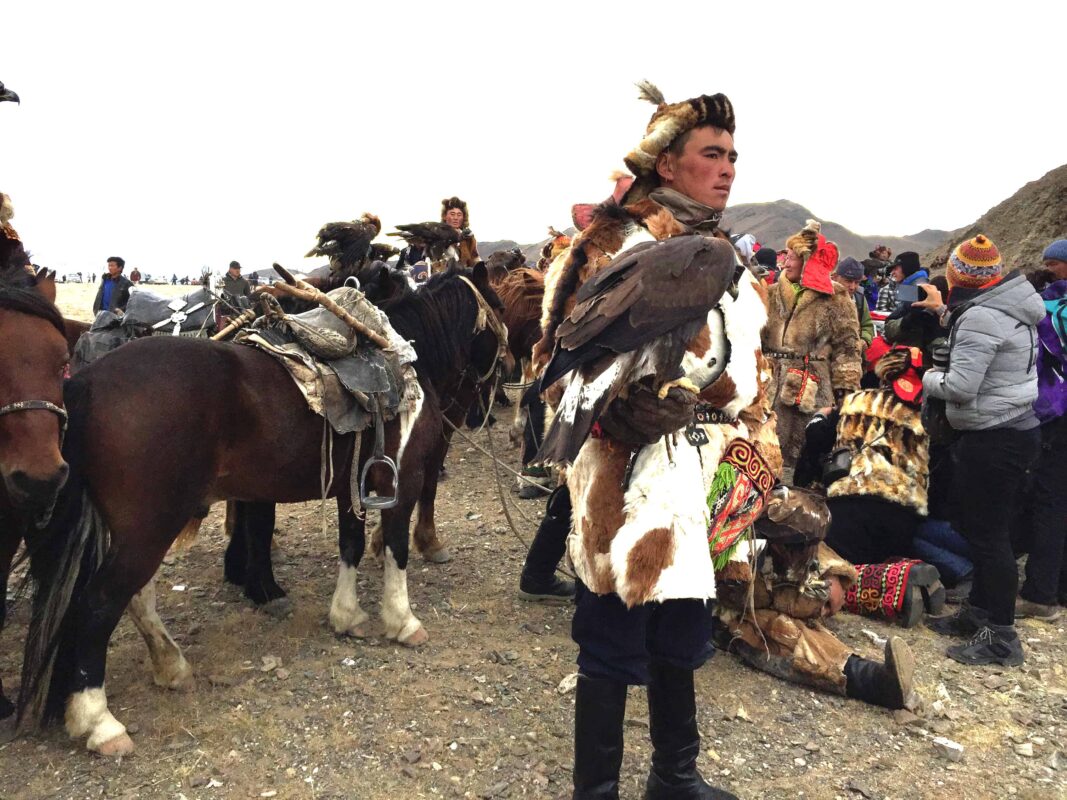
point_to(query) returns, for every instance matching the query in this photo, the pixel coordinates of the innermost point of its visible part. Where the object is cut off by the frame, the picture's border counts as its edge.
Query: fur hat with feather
(454, 202)
(668, 122)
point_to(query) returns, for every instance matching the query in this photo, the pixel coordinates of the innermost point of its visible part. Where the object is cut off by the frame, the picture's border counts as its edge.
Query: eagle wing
(346, 244)
(649, 290)
(632, 321)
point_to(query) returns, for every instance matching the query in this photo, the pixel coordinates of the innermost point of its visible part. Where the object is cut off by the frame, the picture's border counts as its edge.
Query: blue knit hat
(1057, 251)
(850, 269)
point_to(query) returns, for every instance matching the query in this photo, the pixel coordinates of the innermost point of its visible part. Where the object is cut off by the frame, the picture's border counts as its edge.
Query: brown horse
(33, 357)
(454, 361)
(141, 473)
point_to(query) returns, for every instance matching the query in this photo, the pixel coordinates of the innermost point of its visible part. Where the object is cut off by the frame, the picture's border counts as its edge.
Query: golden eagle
(633, 322)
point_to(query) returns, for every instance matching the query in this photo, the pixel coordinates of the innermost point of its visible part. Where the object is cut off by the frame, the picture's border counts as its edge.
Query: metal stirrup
(378, 502)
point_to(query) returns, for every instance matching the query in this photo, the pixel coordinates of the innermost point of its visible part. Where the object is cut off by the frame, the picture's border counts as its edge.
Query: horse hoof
(121, 745)
(279, 608)
(418, 637)
(438, 556)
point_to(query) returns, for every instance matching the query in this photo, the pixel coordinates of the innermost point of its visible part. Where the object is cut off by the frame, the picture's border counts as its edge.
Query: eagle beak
(9, 96)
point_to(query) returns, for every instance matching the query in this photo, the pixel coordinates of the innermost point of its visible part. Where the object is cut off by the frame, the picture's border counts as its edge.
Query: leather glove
(642, 418)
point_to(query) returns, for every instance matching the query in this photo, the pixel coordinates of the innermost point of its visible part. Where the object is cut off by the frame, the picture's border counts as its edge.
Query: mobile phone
(909, 293)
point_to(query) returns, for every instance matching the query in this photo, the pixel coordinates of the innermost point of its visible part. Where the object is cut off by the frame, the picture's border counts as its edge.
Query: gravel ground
(283, 708)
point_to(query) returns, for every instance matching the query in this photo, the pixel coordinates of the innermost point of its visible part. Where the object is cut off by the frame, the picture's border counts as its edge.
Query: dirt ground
(284, 708)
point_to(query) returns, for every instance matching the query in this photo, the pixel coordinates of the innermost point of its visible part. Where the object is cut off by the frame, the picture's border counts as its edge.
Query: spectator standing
(114, 291)
(849, 273)
(989, 387)
(1045, 520)
(811, 338)
(234, 284)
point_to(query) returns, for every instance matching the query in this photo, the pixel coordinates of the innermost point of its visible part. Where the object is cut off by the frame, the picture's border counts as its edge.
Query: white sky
(183, 134)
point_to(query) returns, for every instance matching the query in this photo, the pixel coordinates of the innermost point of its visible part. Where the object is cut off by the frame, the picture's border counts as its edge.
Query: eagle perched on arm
(434, 238)
(347, 244)
(631, 325)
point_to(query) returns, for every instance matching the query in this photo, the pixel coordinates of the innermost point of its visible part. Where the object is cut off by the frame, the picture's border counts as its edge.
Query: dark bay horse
(160, 429)
(33, 357)
(457, 354)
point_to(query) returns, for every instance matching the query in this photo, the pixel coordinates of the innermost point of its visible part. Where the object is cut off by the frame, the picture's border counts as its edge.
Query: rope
(497, 465)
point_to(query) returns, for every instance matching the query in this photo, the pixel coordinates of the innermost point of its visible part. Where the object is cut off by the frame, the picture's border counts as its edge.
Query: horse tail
(63, 557)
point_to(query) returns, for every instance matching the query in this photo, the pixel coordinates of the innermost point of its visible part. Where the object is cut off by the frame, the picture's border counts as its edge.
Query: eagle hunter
(631, 323)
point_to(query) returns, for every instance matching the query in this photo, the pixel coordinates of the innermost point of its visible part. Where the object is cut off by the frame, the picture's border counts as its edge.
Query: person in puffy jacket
(1042, 524)
(989, 388)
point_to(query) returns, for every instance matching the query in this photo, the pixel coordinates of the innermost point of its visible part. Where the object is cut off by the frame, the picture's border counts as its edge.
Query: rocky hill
(773, 223)
(1023, 225)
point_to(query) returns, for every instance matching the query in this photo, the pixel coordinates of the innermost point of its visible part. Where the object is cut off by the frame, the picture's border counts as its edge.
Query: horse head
(33, 360)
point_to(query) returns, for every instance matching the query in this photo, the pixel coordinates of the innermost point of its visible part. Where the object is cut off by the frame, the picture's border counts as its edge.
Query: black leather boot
(539, 582)
(599, 708)
(888, 685)
(672, 724)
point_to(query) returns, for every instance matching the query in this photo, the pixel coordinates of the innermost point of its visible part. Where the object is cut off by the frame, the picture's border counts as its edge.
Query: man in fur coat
(638, 494)
(812, 338)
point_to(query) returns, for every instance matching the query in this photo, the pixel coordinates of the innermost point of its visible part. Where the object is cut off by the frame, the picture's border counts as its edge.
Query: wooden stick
(239, 321)
(305, 291)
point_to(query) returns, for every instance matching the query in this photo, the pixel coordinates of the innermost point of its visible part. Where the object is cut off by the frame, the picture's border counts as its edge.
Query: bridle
(487, 319)
(39, 405)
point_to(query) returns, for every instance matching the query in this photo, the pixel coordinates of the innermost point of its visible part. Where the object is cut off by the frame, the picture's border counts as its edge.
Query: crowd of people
(880, 469)
(878, 441)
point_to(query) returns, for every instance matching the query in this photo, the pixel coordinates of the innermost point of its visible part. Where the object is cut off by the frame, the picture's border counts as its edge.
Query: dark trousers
(988, 472)
(550, 542)
(533, 432)
(619, 643)
(1045, 505)
(869, 530)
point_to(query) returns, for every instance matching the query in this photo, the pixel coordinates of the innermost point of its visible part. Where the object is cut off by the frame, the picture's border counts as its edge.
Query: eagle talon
(681, 383)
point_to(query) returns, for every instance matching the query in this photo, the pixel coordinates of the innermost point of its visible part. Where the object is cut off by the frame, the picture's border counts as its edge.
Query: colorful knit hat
(974, 264)
(670, 121)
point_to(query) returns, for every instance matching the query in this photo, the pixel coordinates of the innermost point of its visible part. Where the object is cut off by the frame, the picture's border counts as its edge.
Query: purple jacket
(1051, 363)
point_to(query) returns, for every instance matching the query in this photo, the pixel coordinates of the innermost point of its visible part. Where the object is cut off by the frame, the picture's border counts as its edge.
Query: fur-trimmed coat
(890, 449)
(823, 328)
(649, 541)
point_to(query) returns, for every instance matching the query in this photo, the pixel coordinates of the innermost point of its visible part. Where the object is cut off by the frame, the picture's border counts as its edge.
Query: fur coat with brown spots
(823, 329)
(640, 529)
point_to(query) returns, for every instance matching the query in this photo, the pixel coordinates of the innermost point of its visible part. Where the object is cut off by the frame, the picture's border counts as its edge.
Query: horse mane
(18, 289)
(438, 320)
(522, 292)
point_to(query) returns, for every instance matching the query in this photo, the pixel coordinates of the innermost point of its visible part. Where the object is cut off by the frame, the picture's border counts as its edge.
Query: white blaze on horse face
(87, 713)
(169, 667)
(400, 622)
(347, 617)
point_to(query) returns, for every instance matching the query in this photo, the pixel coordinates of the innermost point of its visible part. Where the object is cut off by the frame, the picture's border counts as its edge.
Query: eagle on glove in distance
(632, 324)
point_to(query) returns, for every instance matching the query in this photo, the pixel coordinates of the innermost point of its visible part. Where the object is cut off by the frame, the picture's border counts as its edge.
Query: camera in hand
(910, 293)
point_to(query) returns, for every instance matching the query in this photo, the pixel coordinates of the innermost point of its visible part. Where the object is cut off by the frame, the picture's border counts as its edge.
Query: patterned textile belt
(797, 356)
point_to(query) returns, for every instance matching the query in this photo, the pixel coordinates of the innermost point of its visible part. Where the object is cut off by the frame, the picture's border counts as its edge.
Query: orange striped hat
(974, 264)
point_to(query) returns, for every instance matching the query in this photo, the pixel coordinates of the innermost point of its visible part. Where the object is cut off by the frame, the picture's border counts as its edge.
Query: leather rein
(39, 405)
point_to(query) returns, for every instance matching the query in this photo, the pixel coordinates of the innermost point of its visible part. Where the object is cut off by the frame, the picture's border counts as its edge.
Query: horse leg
(260, 586)
(108, 594)
(427, 542)
(401, 623)
(235, 562)
(9, 542)
(169, 667)
(347, 617)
